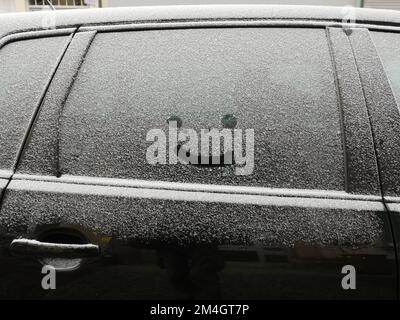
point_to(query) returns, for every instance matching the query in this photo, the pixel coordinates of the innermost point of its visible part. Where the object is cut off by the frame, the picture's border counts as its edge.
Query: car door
(102, 187)
(27, 62)
(383, 102)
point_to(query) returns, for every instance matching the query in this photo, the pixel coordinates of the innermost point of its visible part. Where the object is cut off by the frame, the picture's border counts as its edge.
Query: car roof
(31, 21)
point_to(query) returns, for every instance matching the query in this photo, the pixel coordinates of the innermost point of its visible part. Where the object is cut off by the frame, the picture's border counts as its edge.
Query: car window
(25, 69)
(388, 47)
(276, 81)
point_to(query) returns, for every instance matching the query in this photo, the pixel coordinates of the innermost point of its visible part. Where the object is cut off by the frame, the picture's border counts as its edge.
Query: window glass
(388, 46)
(25, 69)
(278, 82)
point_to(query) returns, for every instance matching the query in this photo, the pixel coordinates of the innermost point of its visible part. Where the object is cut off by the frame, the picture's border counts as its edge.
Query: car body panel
(240, 237)
(163, 239)
(384, 116)
(13, 23)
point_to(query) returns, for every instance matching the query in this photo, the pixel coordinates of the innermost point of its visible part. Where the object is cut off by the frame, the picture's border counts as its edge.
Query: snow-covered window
(276, 81)
(25, 68)
(388, 47)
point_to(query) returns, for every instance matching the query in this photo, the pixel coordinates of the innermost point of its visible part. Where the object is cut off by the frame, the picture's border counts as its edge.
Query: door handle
(35, 248)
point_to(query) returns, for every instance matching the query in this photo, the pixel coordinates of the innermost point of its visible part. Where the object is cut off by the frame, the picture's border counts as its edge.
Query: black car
(84, 212)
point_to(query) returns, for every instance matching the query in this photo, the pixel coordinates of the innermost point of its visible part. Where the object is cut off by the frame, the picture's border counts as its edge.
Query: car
(101, 200)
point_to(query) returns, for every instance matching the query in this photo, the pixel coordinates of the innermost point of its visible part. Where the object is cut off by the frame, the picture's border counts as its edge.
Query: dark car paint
(385, 125)
(164, 239)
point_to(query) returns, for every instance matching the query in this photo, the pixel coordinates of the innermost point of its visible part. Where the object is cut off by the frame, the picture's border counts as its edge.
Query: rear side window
(25, 69)
(276, 81)
(388, 47)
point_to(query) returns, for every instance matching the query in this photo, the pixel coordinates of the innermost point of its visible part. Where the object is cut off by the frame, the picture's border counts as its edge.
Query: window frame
(143, 26)
(31, 35)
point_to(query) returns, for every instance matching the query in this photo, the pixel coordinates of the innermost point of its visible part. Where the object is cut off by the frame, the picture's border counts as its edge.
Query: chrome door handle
(34, 248)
